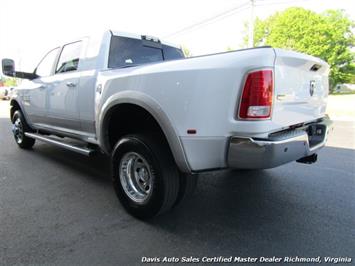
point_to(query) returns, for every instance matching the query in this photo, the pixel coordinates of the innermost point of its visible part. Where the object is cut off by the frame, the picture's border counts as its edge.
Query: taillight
(256, 101)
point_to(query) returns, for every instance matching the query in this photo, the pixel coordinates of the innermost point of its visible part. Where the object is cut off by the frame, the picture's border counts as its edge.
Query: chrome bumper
(280, 148)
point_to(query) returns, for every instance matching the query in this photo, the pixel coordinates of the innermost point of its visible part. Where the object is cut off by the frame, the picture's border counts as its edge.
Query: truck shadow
(96, 168)
(228, 198)
(223, 200)
(229, 206)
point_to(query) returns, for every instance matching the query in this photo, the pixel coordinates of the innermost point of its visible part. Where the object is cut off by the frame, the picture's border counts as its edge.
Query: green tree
(328, 35)
(10, 82)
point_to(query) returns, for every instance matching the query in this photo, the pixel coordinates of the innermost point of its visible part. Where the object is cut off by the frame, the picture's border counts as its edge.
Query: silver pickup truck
(163, 118)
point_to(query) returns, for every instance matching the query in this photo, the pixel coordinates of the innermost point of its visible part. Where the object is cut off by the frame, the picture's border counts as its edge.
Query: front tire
(145, 176)
(19, 129)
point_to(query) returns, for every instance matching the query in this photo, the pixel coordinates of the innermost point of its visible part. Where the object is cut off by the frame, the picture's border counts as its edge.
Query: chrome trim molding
(81, 150)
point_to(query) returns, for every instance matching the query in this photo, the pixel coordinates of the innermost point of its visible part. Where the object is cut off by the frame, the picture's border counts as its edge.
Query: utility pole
(251, 24)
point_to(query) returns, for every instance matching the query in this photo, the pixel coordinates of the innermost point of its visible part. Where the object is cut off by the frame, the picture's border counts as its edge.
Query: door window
(69, 58)
(45, 67)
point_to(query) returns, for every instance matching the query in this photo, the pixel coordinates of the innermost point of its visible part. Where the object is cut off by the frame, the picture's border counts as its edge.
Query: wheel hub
(136, 177)
(17, 130)
(143, 174)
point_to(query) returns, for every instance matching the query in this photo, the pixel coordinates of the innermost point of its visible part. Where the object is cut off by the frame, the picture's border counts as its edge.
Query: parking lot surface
(59, 208)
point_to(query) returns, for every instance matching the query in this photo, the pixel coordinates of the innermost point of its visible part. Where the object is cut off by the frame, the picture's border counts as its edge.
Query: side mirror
(8, 67)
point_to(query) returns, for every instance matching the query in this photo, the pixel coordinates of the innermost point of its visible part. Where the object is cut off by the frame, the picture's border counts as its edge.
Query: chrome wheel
(136, 177)
(17, 130)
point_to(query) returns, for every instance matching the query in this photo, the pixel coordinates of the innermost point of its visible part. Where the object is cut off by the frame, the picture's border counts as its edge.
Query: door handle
(42, 87)
(71, 84)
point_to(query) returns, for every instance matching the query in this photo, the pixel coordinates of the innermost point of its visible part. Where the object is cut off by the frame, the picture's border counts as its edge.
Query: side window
(69, 58)
(45, 67)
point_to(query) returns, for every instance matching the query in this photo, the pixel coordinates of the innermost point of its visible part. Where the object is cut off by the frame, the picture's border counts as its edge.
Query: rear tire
(145, 176)
(20, 127)
(188, 184)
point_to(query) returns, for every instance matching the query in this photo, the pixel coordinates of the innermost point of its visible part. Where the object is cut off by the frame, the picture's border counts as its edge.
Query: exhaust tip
(308, 159)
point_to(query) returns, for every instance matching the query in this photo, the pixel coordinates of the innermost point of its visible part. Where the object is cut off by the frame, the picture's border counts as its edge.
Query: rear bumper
(280, 148)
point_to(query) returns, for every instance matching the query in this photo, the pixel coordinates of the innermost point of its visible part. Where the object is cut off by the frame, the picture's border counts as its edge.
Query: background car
(5, 93)
(10, 91)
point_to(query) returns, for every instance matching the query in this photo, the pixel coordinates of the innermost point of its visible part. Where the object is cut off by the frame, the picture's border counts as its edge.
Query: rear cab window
(127, 52)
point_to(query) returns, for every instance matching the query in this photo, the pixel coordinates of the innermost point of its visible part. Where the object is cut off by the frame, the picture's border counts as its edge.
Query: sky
(30, 28)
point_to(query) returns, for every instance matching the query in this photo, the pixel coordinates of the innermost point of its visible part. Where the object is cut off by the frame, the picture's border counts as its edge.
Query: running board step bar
(71, 147)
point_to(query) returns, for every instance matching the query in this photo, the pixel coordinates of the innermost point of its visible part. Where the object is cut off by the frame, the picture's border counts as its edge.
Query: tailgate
(301, 88)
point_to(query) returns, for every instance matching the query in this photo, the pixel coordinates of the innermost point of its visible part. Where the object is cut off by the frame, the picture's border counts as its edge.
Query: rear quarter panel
(198, 93)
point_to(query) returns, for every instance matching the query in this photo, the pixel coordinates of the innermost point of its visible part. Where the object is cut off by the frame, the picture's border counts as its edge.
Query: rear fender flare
(150, 105)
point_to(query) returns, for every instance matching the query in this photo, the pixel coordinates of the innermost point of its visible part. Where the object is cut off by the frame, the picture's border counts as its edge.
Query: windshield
(126, 52)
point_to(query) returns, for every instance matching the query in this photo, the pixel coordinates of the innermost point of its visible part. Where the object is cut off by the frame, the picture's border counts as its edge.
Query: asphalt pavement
(59, 208)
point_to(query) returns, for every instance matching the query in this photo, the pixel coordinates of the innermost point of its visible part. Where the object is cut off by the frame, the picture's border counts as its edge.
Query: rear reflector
(256, 101)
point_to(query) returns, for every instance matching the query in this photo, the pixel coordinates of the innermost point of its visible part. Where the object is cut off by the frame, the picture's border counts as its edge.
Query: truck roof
(139, 36)
(97, 34)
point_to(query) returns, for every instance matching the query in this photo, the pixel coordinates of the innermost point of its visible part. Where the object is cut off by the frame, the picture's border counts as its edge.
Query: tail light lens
(256, 101)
